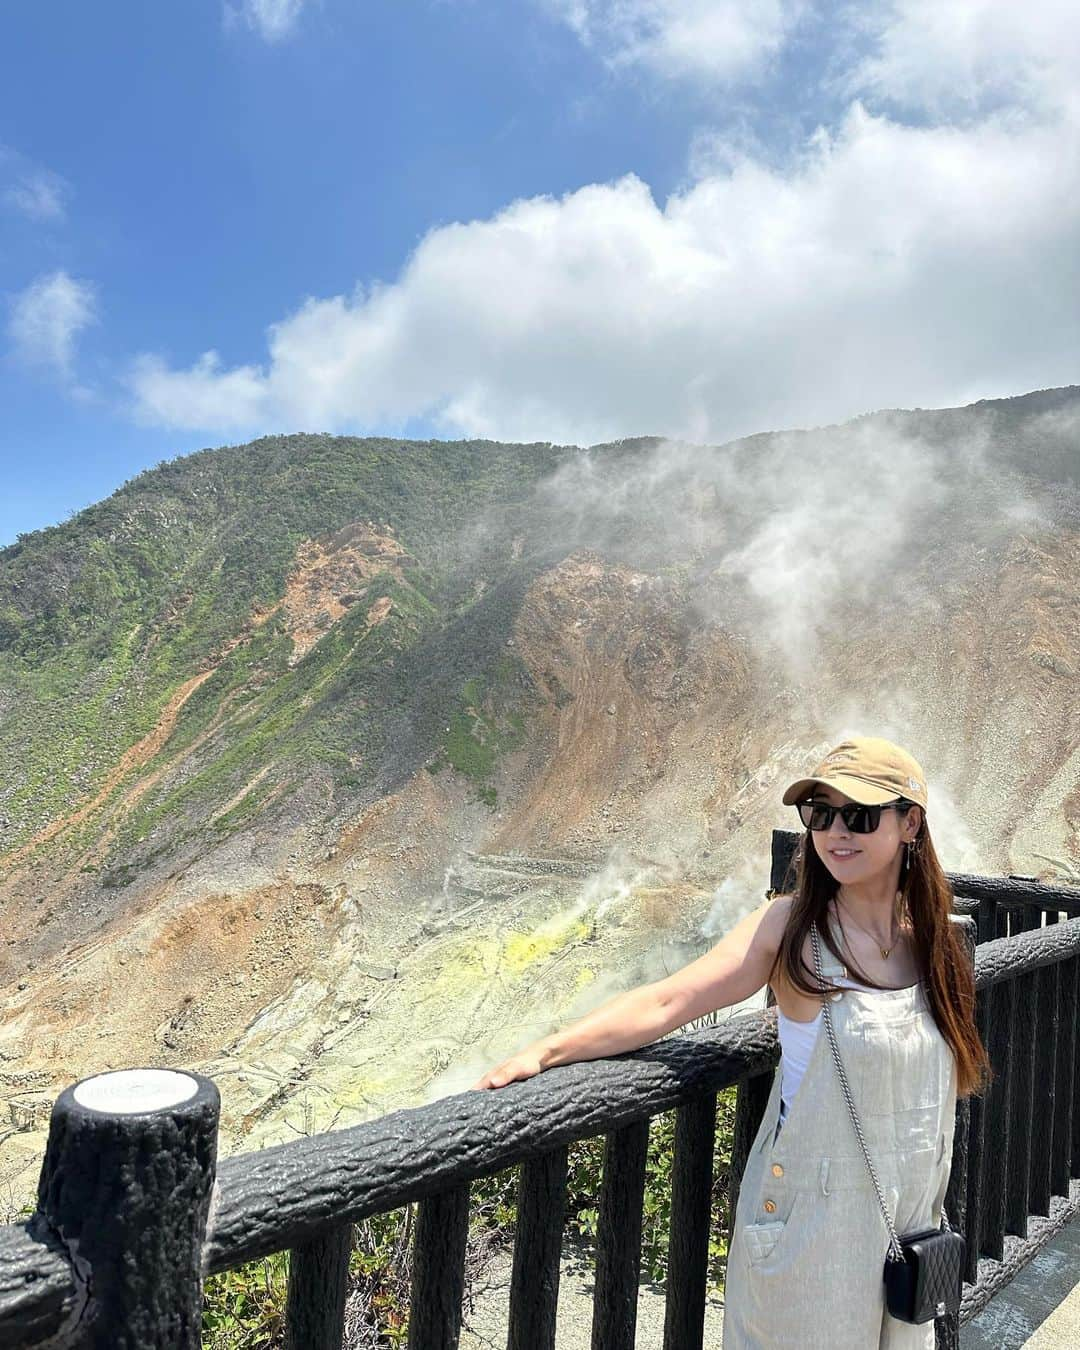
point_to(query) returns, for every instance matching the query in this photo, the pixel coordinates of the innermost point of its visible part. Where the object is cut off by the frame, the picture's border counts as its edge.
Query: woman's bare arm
(736, 967)
(731, 971)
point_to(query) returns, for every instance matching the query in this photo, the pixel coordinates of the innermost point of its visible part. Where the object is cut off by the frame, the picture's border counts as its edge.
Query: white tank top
(797, 1041)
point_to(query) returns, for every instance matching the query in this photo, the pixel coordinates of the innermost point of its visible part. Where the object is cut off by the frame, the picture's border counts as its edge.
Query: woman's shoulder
(779, 919)
(777, 916)
(782, 907)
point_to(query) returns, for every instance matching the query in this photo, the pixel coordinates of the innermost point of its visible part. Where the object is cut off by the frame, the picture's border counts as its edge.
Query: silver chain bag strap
(924, 1270)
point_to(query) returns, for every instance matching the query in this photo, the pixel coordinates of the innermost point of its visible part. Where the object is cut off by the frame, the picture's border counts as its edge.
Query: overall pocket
(764, 1240)
(898, 1069)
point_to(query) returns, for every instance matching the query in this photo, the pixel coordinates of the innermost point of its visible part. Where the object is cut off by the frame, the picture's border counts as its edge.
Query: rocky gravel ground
(487, 1321)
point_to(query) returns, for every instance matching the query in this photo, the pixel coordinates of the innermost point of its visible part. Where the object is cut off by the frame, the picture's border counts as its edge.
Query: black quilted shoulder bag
(924, 1270)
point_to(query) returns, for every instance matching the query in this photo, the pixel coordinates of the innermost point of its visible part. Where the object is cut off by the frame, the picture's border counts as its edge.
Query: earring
(905, 876)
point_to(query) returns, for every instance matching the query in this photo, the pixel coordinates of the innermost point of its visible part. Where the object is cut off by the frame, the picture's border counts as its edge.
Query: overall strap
(896, 1251)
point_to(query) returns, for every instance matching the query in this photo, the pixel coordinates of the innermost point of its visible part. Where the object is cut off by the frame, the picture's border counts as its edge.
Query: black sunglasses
(858, 818)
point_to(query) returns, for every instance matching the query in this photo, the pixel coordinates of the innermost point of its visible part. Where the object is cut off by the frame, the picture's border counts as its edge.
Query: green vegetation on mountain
(103, 619)
(481, 729)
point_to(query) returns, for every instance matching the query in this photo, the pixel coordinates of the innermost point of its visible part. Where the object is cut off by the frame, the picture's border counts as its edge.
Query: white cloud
(714, 39)
(933, 55)
(893, 265)
(887, 264)
(271, 19)
(47, 318)
(970, 55)
(39, 194)
(204, 396)
(30, 189)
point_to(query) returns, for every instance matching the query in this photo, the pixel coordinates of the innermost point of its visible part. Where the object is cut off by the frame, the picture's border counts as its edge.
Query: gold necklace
(885, 951)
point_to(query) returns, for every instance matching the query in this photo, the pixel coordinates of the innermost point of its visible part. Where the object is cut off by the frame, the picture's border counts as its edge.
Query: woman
(808, 1239)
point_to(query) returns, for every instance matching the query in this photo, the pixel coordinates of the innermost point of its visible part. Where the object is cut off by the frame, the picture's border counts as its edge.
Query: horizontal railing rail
(277, 1196)
(1006, 958)
(1016, 1153)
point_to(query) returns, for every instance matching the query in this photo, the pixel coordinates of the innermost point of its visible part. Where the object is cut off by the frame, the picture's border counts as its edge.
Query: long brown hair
(940, 952)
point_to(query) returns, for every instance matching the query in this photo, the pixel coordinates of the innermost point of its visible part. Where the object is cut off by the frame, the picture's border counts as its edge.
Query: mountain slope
(318, 748)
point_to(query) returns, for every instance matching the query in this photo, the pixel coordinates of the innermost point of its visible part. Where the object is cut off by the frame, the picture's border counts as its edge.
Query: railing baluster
(438, 1279)
(751, 1099)
(618, 1246)
(1060, 1167)
(985, 918)
(691, 1209)
(1024, 1031)
(1075, 1167)
(318, 1284)
(995, 1160)
(534, 1282)
(1045, 1082)
(1027, 917)
(976, 1151)
(947, 1329)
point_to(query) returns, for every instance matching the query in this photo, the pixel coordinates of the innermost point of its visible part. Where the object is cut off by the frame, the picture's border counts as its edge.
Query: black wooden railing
(133, 1212)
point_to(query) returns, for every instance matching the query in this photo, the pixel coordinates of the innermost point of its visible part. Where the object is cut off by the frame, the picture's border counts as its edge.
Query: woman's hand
(526, 1063)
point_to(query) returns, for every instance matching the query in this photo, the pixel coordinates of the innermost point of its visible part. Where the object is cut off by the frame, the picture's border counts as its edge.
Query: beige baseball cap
(868, 770)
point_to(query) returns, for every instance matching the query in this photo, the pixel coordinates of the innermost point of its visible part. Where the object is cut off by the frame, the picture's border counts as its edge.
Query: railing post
(1044, 1088)
(1023, 1035)
(986, 919)
(691, 1213)
(534, 1280)
(438, 1271)
(1065, 1087)
(125, 1187)
(318, 1287)
(947, 1329)
(618, 1238)
(751, 1099)
(785, 845)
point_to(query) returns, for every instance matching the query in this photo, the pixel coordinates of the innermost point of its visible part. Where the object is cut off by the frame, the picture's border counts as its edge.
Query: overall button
(837, 996)
(769, 1206)
(777, 1170)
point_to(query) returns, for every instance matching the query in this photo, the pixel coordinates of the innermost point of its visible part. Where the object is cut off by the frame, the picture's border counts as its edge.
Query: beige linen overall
(808, 1240)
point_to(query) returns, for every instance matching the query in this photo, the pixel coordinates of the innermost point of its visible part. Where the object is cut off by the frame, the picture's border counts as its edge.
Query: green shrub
(244, 1309)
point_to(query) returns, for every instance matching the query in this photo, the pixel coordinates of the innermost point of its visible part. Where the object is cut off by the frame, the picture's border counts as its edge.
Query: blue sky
(541, 219)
